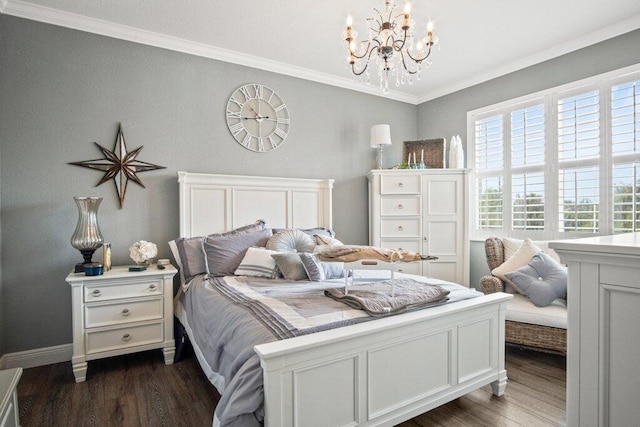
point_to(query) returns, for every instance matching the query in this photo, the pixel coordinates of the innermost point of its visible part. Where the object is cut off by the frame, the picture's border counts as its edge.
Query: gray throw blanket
(409, 294)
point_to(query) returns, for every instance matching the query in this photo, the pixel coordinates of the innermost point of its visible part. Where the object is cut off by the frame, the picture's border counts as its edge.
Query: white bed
(380, 372)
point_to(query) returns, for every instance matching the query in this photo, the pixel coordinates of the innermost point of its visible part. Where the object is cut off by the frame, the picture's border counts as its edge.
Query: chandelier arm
(353, 64)
(366, 52)
(353, 69)
(377, 22)
(404, 63)
(402, 42)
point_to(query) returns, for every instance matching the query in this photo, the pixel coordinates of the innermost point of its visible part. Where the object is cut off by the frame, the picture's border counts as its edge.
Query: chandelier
(398, 54)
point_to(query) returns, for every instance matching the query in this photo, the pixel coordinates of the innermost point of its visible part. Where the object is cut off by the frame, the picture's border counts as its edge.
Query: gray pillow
(312, 266)
(224, 253)
(290, 265)
(192, 257)
(291, 241)
(333, 270)
(542, 281)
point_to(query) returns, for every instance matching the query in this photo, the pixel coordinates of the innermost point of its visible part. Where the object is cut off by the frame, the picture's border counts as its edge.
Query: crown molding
(74, 21)
(605, 33)
(48, 15)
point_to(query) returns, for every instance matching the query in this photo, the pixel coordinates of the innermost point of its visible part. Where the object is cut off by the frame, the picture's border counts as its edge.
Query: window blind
(625, 148)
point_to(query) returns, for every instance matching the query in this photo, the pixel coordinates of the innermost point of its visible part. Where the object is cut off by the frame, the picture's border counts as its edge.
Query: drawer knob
(400, 206)
(400, 228)
(96, 293)
(125, 312)
(399, 249)
(401, 184)
(400, 270)
(152, 287)
(126, 337)
(425, 239)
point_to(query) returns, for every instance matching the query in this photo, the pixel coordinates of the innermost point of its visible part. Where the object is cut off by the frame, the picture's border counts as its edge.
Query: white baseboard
(37, 357)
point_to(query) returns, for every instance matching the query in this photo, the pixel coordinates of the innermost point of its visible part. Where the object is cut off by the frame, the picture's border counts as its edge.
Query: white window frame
(549, 98)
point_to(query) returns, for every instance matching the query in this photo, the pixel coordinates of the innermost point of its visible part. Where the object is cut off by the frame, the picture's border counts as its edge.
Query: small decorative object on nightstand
(87, 237)
(119, 313)
(9, 414)
(142, 253)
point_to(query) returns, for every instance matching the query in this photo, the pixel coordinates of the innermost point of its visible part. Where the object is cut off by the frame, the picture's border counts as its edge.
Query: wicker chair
(536, 337)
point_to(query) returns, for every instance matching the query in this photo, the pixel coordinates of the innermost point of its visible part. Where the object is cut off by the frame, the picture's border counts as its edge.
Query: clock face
(257, 118)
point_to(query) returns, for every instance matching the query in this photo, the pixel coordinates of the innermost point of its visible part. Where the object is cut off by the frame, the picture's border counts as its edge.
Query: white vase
(459, 153)
(453, 156)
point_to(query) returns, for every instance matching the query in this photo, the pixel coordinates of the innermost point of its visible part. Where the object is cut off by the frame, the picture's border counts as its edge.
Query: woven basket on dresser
(536, 337)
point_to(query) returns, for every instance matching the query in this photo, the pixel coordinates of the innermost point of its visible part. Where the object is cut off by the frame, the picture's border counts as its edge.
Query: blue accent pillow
(542, 281)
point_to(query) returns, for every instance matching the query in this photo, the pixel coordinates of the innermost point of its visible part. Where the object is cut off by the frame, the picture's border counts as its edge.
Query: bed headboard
(212, 203)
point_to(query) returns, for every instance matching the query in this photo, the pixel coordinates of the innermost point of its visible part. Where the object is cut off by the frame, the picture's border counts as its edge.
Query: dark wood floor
(140, 390)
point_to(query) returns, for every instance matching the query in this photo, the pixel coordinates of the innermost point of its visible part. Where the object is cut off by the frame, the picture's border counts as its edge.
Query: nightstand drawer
(122, 312)
(130, 336)
(400, 205)
(106, 292)
(400, 227)
(400, 184)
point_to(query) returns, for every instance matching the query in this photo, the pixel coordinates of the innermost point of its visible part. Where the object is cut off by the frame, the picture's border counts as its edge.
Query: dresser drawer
(400, 184)
(122, 312)
(105, 292)
(400, 205)
(130, 336)
(410, 268)
(405, 227)
(402, 245)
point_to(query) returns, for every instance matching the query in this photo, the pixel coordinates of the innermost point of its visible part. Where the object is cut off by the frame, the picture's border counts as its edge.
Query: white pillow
(520, 258)
(257, 262)
(512, 245)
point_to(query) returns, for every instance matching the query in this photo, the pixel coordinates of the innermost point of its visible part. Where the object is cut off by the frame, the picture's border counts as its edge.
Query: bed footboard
(386, 371)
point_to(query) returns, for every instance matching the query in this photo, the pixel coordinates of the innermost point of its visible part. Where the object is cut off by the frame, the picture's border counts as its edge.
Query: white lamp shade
(380, 135)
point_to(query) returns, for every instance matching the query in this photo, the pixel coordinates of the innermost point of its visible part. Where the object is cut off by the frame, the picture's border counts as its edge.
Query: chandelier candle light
(380, 136)
(391, 37)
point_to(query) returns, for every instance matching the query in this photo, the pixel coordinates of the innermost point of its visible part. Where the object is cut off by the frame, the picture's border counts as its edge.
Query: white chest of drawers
(425, 211)
(121, 312)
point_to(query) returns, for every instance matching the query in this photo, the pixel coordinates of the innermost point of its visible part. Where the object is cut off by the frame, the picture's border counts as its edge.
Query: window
(560, 163)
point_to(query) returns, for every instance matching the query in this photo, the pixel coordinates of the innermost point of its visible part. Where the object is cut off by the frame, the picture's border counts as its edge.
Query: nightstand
(121, 312)
(9, 412)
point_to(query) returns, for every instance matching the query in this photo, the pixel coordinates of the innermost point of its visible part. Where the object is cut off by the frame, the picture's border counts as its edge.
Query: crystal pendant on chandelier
(392, 44)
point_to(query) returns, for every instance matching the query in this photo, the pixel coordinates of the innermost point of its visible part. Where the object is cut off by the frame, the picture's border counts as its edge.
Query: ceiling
(479, 40)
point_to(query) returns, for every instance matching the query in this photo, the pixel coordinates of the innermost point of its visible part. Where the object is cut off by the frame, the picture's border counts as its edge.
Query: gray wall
(447, 115)
(63, 89)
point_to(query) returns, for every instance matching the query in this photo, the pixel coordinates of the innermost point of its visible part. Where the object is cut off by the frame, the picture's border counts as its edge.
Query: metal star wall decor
(120, 165)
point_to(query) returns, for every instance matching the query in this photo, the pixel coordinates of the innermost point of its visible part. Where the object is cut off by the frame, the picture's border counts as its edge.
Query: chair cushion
(542, 280)
(512, 245)
(521, 309)
(519, 259)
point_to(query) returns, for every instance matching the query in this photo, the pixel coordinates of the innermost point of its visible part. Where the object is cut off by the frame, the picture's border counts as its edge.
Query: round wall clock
(257, 118)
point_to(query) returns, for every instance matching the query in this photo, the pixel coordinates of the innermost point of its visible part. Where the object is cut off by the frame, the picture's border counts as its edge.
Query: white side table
(121, 312)
(350, 281)
(9, 410)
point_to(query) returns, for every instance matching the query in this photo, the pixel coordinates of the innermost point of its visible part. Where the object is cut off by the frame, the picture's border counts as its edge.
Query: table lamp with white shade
(380, 136)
